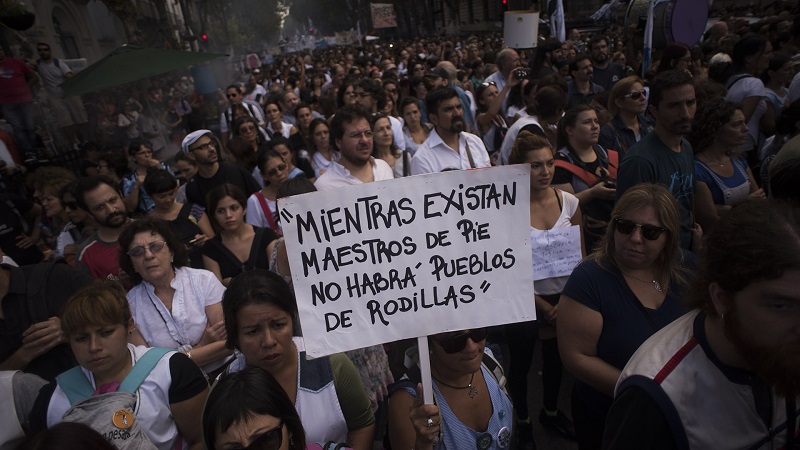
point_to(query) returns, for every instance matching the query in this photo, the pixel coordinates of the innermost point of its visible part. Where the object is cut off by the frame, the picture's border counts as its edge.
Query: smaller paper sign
(555, 252)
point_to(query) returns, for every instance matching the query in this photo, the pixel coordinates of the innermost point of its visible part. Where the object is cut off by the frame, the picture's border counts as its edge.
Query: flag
(557, 22)
(310, 25)
(648, 35)
(606, 11)
(359, 36)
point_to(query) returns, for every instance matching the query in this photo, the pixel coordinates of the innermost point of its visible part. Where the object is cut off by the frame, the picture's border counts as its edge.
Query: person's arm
(131, 199)
(755, 191)
(187, 415)
(293, 130)
(409, 416)
(579, 329)
(205, 226)
(213, 267)
(212, 345)
(749, 105)
(354, 402)
(636, 421)
(37, 340)
(33, 216)
(598, 191)
(707, 212)
(485, 120)
(361, 439)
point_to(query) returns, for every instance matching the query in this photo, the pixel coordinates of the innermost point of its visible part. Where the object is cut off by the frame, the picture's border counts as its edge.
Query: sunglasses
(269, 440)
(456, 343)
(232, 95)
(635, 95)
(649, 232)
(154, 247)
(275, 171)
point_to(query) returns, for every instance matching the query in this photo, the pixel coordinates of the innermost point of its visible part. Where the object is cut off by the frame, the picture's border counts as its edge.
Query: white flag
(557, 22)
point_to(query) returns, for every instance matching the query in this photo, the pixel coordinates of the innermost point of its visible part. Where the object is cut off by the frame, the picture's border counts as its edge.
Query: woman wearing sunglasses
(173, 306)
(250, 410)
(262, 206)
(628, 289)
(471, 410)
(627, 103)
(492, 126)
(261, 322)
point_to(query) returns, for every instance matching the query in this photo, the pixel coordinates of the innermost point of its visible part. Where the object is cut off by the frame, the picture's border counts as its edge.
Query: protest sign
(383, 15)
(411, 257)
(555, 252)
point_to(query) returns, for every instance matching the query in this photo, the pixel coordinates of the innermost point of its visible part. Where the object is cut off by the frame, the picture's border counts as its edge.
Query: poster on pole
(383, 15)
(410, 257)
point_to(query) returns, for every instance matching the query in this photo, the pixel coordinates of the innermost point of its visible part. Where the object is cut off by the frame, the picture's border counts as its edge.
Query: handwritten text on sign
(410, 257)
(555, 252)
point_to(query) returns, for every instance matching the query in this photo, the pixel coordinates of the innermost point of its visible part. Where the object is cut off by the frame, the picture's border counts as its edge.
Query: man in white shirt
(448, 146)
(352, 135)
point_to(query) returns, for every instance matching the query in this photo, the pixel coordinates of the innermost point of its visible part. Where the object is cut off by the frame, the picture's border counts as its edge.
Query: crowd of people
(147, 296)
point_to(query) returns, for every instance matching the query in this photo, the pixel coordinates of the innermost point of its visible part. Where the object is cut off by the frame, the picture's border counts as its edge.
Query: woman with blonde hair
(629, 288)
(627, 103)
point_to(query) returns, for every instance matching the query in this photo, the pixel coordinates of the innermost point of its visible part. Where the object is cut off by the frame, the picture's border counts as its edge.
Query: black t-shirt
(198, 187)
(609, 76)
(13, 224)
(19, 314)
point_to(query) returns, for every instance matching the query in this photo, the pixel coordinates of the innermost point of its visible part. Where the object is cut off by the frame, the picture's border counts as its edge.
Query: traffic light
(204, 36)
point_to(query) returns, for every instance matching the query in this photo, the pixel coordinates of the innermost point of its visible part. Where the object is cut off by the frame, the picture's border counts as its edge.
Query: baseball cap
(191, 138)
(437, 72)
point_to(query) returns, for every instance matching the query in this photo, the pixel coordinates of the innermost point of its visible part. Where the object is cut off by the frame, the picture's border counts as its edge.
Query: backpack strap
(732, 81)
(142, 369)
(75, 385)
(587, 177)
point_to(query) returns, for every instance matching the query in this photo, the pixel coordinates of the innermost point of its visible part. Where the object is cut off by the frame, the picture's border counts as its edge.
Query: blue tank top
(457, 436)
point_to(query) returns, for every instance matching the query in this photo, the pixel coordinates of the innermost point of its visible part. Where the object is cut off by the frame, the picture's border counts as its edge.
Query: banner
(410, 257)
(383, 15)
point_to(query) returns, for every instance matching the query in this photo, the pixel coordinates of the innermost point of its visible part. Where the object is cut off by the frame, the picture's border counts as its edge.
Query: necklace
(656, 284)
(473, 391)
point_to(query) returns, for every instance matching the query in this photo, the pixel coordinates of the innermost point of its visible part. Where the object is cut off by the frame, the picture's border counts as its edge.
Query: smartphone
(521, 74)
(611, 184)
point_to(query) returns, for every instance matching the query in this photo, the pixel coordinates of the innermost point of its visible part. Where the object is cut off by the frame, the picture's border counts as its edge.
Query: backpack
(112, 414)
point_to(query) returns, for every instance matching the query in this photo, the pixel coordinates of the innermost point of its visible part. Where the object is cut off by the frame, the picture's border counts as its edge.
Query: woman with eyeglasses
(471, 409)
(238, 246)
(321, 153)
(247, 129)
(586, 170)
(629, 288)
(550, 209)
(492, 127)
(250, 410)
(627, 103)
(262, 206)
(173, 306)
(261, 322)
(187, 221)
(414, 130)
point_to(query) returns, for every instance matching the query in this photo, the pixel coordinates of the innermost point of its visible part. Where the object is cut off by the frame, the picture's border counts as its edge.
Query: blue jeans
(20, 116)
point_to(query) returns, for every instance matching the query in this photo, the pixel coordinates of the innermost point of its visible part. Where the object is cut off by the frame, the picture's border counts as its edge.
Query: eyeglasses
(635, 95)
(154, 247)
(367, 134)
(649, 232)
(275, 171)
(456, 343)
(269, 440)
(204, 146)
(233, 95)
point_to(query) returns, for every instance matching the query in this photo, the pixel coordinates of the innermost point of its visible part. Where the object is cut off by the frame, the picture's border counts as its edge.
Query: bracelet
(189, 355)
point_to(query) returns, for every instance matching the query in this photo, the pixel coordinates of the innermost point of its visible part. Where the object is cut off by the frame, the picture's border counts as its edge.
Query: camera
(521, 74)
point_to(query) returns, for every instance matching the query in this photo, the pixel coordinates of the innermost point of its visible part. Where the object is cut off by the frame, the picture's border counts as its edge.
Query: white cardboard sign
(555, 251)
(411, 257)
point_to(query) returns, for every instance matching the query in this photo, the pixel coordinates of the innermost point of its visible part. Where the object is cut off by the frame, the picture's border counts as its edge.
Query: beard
(778, 365)
(115, 220)
(457, 125)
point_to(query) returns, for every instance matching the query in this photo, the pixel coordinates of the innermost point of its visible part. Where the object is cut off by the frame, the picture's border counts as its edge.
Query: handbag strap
(267, 212)
(469, 153)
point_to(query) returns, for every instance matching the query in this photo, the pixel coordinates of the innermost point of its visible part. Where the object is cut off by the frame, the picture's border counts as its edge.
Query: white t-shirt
(255, 213)
(749, 87)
